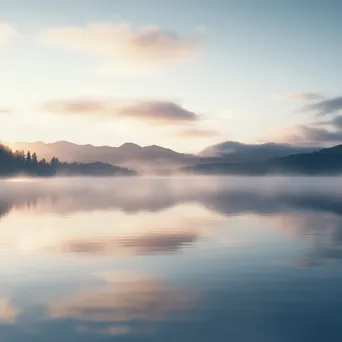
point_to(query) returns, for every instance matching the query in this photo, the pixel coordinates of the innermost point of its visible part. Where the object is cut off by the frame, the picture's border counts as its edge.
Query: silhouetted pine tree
(12, 163)
(28, 160)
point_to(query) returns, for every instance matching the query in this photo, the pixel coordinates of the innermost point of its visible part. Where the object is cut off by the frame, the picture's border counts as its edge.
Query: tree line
(19, 162)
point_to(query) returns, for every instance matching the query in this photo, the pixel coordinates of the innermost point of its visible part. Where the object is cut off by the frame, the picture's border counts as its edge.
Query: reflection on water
(165, 259)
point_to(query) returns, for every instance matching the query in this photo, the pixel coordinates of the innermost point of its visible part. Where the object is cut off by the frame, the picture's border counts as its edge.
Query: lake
(171, 259)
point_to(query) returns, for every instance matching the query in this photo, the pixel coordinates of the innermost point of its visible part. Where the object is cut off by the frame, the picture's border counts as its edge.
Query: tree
(6, 160)
(34, 159)
(54, 163)
(12, 163)
(28, 160)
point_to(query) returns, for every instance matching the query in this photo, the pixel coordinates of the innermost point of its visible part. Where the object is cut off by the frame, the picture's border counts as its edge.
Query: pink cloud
(121, 47)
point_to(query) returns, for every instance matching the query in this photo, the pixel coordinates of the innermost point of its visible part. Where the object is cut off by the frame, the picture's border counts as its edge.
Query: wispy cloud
(321, 135)
(332, 132)
(7, 33)
(198, 133)
(4, 111)
(299, 96)
(325, 107)
(158, 111)
(122, 47)
(312, 135)
(335, 122)
(151, 111)
(321, 131)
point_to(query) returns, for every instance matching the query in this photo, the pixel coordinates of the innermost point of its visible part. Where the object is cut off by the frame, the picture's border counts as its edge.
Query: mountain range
(327, 161)
(127, 155)
(157, 158)
(238, 152)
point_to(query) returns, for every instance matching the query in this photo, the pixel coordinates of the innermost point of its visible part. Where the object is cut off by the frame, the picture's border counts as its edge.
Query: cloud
(320, 134)
(7, 33)
(4, 111)
(152, 111)
(76, 107)
(299, 96)
(331, 134)
(335, 122)
(8, 313)
(311, 135)
(123, 47)
(325, 107)
(158, 111)
(314, 133)
(198, 133)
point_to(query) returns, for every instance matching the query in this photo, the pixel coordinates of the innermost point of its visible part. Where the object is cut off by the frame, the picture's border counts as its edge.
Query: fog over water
(165, 259)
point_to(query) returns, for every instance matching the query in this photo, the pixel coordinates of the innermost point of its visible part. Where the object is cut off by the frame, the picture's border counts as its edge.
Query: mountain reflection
(165, 215)
(228, 196)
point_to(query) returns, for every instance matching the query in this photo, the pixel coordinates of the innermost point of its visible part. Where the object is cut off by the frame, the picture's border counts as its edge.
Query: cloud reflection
(148, 243)
(125, 300)
(8, 313)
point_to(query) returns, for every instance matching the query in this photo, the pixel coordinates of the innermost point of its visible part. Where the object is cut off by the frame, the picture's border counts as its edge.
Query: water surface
(171, 259)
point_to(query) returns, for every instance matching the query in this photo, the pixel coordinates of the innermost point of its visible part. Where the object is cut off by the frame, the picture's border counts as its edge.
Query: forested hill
(327, 161)
(19, 162)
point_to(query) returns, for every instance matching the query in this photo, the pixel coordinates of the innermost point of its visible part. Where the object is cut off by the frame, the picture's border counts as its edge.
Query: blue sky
(244, 68)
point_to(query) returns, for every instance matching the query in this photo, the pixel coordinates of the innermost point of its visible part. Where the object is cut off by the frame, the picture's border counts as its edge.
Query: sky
(180, 74)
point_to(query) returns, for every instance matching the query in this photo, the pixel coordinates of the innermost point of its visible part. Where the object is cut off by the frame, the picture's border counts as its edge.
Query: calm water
(161, 259)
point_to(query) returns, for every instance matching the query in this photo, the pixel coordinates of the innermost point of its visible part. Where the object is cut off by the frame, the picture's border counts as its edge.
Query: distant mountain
(156, 158)
(327, 161)
(127, 155)
(238, 152)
